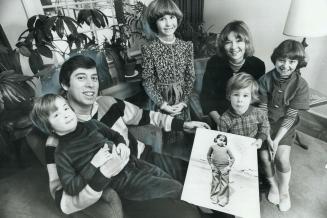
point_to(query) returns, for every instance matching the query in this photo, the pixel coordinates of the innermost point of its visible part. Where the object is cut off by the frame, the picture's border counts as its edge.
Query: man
(79, 80)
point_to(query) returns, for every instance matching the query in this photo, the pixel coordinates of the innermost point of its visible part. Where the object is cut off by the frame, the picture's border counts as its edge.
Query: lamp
(306, 18)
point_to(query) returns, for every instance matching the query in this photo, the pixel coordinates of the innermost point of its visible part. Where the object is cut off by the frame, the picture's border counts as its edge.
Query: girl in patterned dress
(168, 72)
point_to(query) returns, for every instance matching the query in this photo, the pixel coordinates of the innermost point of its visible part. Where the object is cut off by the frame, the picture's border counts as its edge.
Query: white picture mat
(244, 189)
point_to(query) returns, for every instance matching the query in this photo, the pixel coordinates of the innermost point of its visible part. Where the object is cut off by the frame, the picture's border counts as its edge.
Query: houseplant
(125, 33)
(43, 33)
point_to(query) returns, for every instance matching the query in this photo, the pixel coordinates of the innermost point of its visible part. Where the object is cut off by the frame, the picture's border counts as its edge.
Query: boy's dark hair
(242, 32)
(159, 8)
(221, 136)
(290, 49)
(73, 63)
(43, 107)
(240, 81)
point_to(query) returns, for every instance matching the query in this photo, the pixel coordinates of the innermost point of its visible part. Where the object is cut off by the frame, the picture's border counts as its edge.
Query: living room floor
(308, 186)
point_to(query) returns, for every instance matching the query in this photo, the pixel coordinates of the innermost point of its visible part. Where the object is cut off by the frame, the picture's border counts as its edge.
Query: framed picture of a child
(223, 174)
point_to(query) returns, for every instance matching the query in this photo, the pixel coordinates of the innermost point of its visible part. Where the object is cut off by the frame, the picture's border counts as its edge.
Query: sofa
(26, 194)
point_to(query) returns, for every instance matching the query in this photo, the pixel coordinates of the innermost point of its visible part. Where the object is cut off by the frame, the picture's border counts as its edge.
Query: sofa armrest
(149, 135)
(36, 141)
(196, 109)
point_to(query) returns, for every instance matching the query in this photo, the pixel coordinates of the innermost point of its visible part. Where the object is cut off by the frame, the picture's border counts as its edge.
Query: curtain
(192, 11)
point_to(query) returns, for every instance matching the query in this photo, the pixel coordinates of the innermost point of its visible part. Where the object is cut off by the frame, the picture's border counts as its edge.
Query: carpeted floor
(308, 186)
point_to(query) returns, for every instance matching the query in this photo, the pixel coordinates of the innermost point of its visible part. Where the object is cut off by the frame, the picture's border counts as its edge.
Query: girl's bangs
(167, 8)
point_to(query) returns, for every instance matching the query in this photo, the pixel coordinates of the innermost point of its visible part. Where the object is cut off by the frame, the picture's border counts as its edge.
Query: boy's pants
(140, 181)
(220, 186)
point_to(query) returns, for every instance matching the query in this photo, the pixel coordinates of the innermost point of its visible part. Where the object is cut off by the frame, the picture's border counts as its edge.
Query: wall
(266, 20)
(13, 19)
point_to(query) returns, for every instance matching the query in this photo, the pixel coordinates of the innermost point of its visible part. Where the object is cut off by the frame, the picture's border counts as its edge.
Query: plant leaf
(80, 17)
(44, 50)
(104, 16)
(21, 35)
(31, 21)
(84, 16)
(60, 29)
(71, 26)
(39, 36)
(43, 18)
(24, 51)
(96, 19)
(38, 24)
(35, 61)
(50, 22)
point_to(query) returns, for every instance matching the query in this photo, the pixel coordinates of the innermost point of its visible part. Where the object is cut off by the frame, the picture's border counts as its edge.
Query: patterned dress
(168, 76)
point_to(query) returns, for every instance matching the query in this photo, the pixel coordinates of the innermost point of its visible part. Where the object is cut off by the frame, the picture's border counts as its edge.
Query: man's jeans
(140, 180)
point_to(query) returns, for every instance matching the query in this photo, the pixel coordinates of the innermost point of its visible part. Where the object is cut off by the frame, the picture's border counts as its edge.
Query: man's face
(83, 88)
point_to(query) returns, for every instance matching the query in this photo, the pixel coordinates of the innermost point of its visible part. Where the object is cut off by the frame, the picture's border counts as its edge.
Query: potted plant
(128, 29)
(43, 32)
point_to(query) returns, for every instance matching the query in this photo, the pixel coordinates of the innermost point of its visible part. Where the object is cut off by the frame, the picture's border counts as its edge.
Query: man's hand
(114, 165)
(101, 157)
(191, 126)
(257, 143)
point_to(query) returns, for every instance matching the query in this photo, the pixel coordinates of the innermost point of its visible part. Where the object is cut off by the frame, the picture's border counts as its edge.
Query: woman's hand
(101, 157)
(191, 126)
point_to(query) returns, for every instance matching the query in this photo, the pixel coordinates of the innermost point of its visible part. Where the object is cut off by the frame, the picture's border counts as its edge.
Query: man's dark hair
(73, 63)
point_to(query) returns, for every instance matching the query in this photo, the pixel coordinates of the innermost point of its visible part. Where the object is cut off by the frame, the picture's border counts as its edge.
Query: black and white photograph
(163, 108)
(238, 194)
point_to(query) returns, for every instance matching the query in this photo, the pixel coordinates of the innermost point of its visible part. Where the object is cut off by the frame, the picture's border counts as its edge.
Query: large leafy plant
(204, 42)
(129, 28)
(42, 33)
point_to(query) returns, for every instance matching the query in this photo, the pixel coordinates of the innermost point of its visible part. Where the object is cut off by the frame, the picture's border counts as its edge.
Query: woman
(235, 54)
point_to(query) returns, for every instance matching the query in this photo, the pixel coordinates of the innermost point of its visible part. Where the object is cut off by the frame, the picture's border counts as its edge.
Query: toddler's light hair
(43, 107)
(241, 81)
